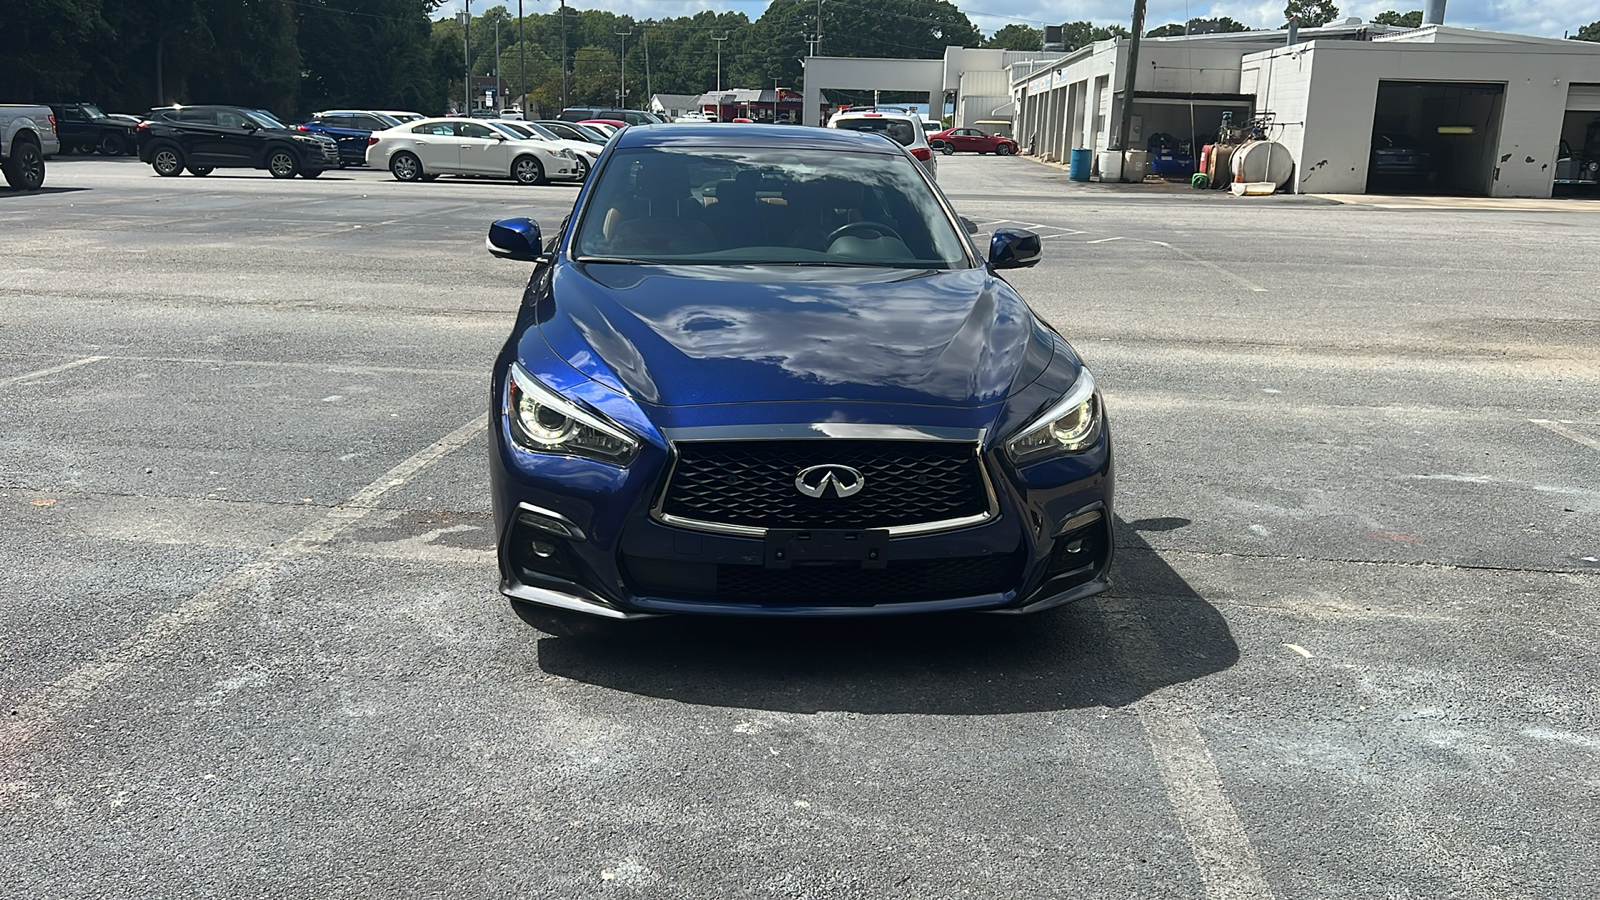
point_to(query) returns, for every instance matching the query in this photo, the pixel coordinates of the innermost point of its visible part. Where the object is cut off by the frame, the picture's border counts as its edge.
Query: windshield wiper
(615, 260)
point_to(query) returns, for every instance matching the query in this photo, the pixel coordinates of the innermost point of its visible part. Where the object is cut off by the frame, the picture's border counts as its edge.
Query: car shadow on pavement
(1151, 631)
(7, 191)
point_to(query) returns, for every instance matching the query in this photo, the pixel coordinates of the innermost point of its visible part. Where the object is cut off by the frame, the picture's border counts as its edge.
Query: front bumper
(580, 535)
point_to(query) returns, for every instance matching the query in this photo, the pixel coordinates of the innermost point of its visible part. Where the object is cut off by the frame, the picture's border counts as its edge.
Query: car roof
(787, 137)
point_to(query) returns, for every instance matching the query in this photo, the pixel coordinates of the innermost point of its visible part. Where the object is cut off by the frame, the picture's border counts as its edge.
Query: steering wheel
(852, 227)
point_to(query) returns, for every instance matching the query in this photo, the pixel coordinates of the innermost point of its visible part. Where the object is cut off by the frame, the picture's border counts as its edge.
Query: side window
(196, 116)
(366, 122)
(474, 130)
(229, 119)
(71, 114)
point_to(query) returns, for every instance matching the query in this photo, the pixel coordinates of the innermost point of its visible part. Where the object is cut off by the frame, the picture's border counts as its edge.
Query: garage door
(1583, 98)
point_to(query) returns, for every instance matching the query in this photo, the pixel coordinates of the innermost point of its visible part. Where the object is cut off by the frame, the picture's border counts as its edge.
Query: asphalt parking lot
(253, 647)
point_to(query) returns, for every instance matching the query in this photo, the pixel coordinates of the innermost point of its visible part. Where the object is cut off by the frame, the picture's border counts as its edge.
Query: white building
(1490, 108)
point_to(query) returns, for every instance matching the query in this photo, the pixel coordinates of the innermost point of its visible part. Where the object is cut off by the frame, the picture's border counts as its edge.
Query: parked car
(812, 397)
(350, 129)
(623, 116)
(424, 150)
(1575, 169)
(200, 139)
(584, 153)
(904, 129)
(400, 115)
(972, 140)
(513, 114)
(27, 139)
(83, 128)
(573, 131)
(1398, 160)
(696, 117)
(607, 127)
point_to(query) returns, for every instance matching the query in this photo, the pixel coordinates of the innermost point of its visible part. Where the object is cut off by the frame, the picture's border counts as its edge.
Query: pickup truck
(27, 139)
(83, 128)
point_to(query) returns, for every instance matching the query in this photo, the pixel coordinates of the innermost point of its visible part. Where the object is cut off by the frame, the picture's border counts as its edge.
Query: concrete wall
(1331, 88)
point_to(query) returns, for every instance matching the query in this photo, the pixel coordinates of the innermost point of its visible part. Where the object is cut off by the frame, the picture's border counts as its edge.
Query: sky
(1547, 18)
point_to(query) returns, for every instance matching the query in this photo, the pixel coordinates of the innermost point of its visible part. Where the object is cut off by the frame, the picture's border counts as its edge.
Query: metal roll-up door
(1583, 98)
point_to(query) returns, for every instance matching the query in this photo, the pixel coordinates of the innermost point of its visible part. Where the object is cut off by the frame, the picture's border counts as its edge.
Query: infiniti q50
(767, 371)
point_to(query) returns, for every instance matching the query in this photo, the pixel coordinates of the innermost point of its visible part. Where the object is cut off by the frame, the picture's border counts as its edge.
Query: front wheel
(406, 167)
(167, 162)
(282, 164)
(25, 169)
(1005, 150)
(200, 171)
(113, 145)
(583, 169)
(526, 170)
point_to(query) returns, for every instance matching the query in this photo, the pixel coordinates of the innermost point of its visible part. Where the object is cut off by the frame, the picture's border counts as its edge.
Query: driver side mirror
(1014, 248)
(250, 127)
(517, 239)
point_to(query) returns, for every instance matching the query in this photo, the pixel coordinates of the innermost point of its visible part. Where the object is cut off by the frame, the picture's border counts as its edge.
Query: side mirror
(517, 239)
(1014, 248)
(251, 127)
(500, 137)
(968, 224)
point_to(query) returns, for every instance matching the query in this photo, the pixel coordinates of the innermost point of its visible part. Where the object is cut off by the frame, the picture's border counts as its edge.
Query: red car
(971, 140)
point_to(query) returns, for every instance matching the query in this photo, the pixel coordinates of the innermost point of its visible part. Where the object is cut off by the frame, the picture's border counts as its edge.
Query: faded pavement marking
(37, 712)
(29, 376)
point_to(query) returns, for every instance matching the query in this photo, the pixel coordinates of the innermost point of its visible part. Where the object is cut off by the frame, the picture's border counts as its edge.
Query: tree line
(295, 56)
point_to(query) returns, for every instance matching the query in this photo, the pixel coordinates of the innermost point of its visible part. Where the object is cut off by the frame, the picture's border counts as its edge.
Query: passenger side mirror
(1014, 248)
(517, 239)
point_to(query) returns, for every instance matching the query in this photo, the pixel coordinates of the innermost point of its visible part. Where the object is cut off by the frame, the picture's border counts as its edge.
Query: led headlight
(1071, 425)
(545, 422)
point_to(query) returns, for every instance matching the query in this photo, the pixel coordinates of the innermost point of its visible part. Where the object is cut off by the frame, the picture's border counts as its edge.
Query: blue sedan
(764, 371)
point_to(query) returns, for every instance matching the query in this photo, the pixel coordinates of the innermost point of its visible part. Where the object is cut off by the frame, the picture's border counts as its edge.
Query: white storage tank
(1257, 161)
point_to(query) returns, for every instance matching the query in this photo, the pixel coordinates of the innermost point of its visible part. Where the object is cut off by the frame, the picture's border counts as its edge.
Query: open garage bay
(253, 646)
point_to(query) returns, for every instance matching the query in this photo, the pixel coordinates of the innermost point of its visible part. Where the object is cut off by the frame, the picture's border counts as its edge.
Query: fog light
(542, 549)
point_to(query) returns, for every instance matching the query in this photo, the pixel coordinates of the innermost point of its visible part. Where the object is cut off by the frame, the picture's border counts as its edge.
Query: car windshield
(92, 112)
(507, 129)
(541, 131)
(899, 129)
(749, 206)
(588, 134)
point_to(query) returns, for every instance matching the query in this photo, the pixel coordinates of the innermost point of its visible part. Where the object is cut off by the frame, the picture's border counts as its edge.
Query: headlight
(567, 154)
(545, 422)
(1070, 426)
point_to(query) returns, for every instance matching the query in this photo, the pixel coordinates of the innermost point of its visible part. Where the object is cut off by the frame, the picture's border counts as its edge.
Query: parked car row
(426, 149)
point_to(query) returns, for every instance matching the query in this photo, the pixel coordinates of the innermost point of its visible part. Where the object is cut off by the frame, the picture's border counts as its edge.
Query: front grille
(931, 579)
(752, 483)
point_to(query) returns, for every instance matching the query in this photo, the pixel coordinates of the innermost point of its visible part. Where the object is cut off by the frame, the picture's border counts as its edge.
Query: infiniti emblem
(814, 480)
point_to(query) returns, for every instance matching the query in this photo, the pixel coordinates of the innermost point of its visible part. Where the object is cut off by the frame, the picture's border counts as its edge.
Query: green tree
(1411, 19)
(1311, 13)
(1589, 32)
(1081, 34)
(1016, 37)
(1170, 30)
(905, 29)
(1220, 25)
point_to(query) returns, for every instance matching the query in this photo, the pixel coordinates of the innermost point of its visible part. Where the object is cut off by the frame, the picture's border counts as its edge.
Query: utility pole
(648, 93)
(1126, 122)
(465, 18)
(622, 70)
(719, 41)
(522, 77)
(819, 28)
(563, 54)
(498, 89)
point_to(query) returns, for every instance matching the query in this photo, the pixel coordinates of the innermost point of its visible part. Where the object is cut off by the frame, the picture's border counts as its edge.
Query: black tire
(312, 173)
(527, 170)
(281, 163)
(406, 167)
(167, 161)
(560, 622)
(201, 171)
(25, 169)
(583, 170)
(1004, 150)
(428, 176)
(113, 145)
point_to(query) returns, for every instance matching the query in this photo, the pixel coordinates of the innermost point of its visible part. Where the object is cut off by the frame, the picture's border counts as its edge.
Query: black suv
(203, 138)
(631, 116)
(83, 128)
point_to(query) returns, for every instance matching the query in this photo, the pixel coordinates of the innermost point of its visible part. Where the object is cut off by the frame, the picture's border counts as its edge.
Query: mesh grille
(751, 483)
(918, 580)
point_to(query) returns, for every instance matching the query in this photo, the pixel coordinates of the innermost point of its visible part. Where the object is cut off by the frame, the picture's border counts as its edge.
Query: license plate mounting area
(786, 548)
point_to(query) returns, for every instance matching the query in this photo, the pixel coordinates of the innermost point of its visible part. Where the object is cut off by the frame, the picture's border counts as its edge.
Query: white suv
(903, 128)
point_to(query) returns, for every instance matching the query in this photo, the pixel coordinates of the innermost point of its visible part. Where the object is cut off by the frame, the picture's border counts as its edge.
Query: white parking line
(1566, 432)
(17, 379)
(36, 713)
(1103, 240)
(1217, 839)
(1210, 265)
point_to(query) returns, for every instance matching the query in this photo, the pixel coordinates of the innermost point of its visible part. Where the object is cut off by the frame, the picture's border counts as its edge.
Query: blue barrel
(1078, 165)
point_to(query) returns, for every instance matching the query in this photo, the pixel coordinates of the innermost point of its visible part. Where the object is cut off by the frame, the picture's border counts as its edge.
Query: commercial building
(1490, 110)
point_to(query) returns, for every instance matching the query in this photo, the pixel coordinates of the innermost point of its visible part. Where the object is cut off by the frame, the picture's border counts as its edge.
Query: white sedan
(424, 150)
(585, 152)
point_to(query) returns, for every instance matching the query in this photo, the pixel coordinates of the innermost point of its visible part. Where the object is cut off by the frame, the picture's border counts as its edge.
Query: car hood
(692, 335)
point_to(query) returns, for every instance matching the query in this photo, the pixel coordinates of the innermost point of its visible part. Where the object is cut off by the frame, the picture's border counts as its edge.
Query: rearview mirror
(1014, 248)
(517, 239)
